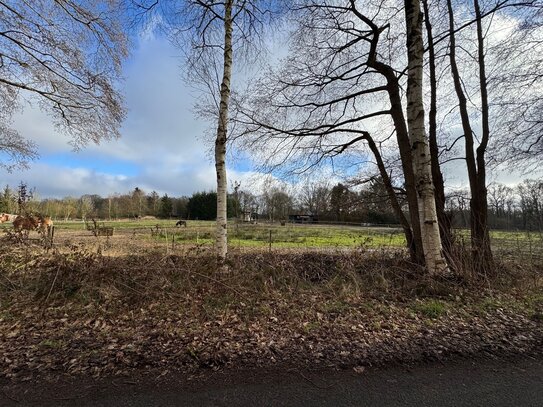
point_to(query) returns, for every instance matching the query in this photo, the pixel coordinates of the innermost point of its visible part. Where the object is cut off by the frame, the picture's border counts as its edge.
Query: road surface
(460, 383)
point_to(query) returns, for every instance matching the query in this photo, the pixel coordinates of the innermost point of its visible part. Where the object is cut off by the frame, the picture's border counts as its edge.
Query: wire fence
(507, 245)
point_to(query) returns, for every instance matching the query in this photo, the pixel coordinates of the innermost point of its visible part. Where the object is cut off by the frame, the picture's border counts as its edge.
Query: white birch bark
(221, 238)
(431, 240)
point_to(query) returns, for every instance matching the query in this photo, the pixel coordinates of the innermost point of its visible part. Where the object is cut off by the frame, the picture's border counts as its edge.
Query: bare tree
(215, 35)
(500, 198)
(85, 207)
(531, 203)
(17, 151)
(437, 176)
(495, 68)
(221, 239)
(516, 88)
(66, 56)
(315, 197)
(475, 158)
(344, 76)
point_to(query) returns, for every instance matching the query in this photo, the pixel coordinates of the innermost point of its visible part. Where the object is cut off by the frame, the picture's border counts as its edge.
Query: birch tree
(431, 239)
(437, 175)
(214, 36)
(221, 239)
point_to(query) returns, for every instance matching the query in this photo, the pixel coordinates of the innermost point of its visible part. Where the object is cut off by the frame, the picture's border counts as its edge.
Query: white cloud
(35, 125)
(161, 139)
(52, 181)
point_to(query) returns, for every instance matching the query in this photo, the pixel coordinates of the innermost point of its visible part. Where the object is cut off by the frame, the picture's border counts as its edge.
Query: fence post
(270, 240)
(50, 236)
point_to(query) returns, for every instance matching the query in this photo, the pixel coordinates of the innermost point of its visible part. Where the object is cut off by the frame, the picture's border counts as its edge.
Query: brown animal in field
(45, 222)
(181, 223)
(26, 223)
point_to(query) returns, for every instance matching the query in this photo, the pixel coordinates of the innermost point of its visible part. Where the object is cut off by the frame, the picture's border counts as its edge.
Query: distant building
(249, 216)
(303, 218)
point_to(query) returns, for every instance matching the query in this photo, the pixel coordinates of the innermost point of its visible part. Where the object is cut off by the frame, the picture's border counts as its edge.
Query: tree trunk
(431, 240)
(483, 253)
(221, 238)
(437, 177)
(480, 241)
(402, 136)
(393, 198)
(404, 145)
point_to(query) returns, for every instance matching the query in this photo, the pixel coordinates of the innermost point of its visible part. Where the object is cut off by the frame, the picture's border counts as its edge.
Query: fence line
(506, 244)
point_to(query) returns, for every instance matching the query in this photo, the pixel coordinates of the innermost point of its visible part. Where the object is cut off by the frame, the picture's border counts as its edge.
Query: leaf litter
(161, 315)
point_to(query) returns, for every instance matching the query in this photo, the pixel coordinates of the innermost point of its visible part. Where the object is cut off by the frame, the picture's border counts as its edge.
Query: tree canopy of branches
(516, 87)
(341, 85)
(65, 55)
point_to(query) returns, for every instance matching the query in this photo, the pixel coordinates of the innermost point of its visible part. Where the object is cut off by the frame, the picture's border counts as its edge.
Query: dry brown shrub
(87, 277)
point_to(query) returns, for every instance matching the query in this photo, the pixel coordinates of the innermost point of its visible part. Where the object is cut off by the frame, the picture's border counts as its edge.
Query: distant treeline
(519, 207)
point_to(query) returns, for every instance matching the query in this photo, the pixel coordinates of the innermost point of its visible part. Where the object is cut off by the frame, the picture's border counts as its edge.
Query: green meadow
(290, 235)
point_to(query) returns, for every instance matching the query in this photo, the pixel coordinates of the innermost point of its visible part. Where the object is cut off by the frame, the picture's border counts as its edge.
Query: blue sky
(161, 148)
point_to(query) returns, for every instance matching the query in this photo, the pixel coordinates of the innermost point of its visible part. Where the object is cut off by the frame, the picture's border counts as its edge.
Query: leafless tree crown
(65, 55)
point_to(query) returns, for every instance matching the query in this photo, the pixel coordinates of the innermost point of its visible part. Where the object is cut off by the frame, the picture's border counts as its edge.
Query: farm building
(303, 218)
(249, 216)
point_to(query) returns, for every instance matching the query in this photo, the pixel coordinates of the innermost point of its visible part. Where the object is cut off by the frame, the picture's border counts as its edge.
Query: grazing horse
(181, 223)
(45, 222)
(26, 223)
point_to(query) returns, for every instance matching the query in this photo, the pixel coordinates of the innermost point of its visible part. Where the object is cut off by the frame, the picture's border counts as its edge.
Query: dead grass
(102, 271)
(95, 309)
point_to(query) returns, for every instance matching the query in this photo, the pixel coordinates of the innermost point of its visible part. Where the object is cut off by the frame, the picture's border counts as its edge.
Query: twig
(131, 288)
(52, 285)
(11, 282)
(221, 283)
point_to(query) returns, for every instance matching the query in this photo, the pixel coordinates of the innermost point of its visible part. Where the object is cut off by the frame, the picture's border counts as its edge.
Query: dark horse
(181, 223)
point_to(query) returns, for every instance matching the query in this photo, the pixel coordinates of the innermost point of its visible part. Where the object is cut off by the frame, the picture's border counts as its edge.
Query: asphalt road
(461, 383)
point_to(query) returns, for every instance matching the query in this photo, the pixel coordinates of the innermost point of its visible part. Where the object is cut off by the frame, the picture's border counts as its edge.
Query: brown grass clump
(85, 276)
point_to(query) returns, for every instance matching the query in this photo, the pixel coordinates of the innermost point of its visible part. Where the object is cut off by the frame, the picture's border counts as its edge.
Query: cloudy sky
(161, 147)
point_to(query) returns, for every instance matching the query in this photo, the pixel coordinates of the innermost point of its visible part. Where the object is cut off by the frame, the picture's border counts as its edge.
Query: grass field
(291, 236)
(247, 235)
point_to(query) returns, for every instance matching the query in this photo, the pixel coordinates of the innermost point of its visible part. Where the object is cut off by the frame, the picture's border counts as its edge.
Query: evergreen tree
(166, 207)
